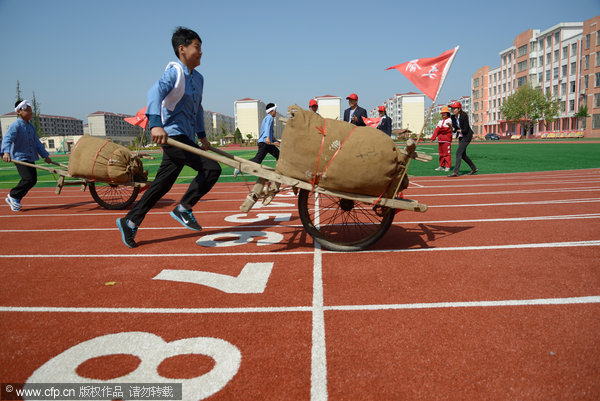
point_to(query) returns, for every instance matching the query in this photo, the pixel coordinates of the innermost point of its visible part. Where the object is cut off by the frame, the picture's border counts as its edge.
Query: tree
(36, 116)
(19, 97)
(527, 106)
(237, 136)
(582, 114)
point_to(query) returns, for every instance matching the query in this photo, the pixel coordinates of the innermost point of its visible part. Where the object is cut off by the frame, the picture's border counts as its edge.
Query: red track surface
(493, 294)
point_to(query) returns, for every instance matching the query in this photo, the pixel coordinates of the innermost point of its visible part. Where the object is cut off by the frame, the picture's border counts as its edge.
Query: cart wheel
(113, 196)
(340, 224)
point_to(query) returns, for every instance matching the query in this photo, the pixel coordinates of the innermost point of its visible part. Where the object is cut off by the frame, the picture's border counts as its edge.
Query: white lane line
(594, 299)
(283, 225)
(523, 191)
(318, 361)
(310, 252)
(550, 202)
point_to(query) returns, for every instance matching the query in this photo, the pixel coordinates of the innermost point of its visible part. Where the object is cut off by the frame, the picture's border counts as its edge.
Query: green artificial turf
(489, 157)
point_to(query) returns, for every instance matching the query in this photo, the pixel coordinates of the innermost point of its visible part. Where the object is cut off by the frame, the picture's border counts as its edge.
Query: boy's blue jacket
(187, 118)
(22, 143)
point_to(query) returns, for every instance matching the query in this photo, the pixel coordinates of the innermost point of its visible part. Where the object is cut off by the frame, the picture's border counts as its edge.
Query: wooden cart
(108, 195)
(338, 221)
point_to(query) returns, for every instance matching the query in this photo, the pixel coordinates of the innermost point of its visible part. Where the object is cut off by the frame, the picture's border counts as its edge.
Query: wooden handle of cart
(62, 172)
(269, 174)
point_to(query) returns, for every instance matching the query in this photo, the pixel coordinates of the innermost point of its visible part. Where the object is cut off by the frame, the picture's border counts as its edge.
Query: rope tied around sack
(317, 177)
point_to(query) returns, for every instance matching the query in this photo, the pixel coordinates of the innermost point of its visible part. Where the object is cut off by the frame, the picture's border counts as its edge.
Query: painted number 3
(151, 350)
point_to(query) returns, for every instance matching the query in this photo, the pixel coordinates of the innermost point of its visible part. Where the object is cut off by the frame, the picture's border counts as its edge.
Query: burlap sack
(359, 160)
(104, 161)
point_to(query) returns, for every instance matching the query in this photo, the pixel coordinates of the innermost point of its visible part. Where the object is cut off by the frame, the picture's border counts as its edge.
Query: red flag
(372, 122)
(428, 73)
(139, 119)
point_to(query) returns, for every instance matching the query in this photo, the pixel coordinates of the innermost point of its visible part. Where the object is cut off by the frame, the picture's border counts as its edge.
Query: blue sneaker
(186, 219)
(14, 203)
(127, 233)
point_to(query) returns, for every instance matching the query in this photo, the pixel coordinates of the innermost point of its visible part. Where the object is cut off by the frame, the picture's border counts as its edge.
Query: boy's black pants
(174, 159)
(263, 149)
(28, 181)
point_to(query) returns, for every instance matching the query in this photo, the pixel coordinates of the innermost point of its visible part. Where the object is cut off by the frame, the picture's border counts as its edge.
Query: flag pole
(444, 73)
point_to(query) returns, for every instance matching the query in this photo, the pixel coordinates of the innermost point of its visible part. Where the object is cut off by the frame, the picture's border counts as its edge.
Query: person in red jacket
(443, 133)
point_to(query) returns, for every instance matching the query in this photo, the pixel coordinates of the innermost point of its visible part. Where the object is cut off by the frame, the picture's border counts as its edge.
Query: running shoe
(14, 203)
(186, 218)
(127, 233)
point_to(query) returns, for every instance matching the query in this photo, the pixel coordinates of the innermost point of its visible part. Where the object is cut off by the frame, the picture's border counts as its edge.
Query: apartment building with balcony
(562, 61)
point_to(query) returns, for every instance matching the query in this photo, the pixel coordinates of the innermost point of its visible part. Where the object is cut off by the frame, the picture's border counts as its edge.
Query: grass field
(490, 158)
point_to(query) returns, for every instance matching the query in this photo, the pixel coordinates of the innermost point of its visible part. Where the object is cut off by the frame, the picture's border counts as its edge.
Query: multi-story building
(58, 133)
(249, 114)
(589, 83)
(215, 123)
(562, 61)
(479, 104)
(113, 126)
(330, 106)
(407, 111)
(50, 125)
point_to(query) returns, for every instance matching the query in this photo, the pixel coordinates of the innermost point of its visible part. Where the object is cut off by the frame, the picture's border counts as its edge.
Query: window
(548, 60)
(596, 100)
(555, 55)
(509, 72)
(572, 85)
(555, 90)
(503, 87)
(598, 38)
(532, 63)
(522, 66)
(562, 107)
(573, 49)
(598, 58)
(585, 82)
(573, 68)
(534, 45)
(522, 50)
(596, 121)
(541, 60)
(587, 41)
(586, 62)
(556, 37)
(504, 74)
(509, 86)
(563, 88)
(476, 82)
(565, 52)
(521, 81)
(548, 40)
(50, 143)
(541, 77)
(547, 75)
(597, 80)
(555, 75)
(564, 70)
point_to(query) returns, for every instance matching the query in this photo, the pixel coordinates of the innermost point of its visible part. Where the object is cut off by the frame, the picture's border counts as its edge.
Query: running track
(492, 294)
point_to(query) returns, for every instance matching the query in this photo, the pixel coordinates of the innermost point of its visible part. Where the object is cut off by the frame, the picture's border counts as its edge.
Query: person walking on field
(385, 124)
(443, 133)
(266, 138)
(460, 125)
(21, 143)
(175, 111)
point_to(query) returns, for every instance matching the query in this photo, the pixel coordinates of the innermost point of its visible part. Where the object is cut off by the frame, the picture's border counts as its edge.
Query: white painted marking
(286, 253)
(151, 350)
(244, 218)
(240, 238)
(251, 280)
(593, 299)
(318, 371)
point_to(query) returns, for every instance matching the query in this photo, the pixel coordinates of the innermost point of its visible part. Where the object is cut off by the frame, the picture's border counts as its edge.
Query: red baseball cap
(352, 96)
(456, 105)
(312, 102)
(381, 108)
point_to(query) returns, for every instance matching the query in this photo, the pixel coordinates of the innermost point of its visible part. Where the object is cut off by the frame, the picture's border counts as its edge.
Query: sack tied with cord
(105, 161)
(339, 156)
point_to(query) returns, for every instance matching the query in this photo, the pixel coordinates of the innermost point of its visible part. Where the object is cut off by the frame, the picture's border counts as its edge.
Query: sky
(80, 57)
